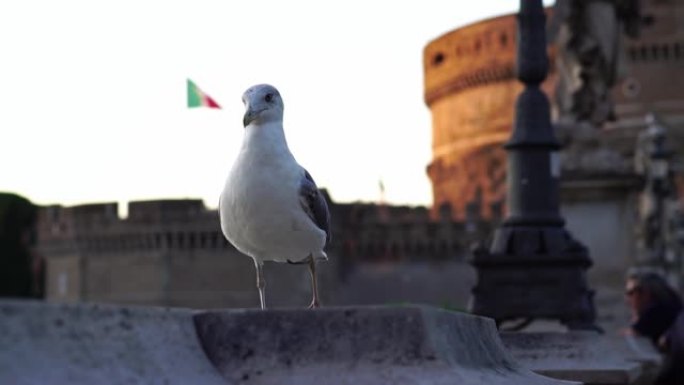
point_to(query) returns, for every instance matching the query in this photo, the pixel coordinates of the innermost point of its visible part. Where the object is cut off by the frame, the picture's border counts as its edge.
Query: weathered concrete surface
(51, 344)
(48, 344)
(641, 350)
(588, 357)
(360, 345)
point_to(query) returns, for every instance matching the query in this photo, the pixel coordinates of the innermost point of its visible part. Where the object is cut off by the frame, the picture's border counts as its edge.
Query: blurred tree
(17, 235)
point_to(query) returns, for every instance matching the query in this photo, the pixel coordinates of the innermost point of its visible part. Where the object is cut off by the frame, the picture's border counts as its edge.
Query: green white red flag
(197, 97)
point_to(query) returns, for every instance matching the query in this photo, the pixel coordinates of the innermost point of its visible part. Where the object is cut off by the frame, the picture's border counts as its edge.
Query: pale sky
(93, 101)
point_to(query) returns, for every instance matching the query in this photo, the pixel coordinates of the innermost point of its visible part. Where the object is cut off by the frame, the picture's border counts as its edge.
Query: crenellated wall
(172, 252)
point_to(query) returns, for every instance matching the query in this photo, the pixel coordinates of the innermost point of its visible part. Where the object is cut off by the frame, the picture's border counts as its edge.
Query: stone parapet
(94, 344)
(588, 357)
(51, 344)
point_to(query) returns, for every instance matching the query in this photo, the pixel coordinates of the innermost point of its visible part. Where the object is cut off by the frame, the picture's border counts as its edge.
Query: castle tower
(470, 88)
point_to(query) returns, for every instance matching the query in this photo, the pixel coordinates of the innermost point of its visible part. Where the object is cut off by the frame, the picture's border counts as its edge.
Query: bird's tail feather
(321, 256)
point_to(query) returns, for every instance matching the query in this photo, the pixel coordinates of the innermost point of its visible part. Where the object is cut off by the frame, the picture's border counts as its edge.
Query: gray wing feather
(314, 204)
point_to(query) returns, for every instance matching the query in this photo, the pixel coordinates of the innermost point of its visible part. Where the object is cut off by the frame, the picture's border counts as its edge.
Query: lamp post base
(534, 272)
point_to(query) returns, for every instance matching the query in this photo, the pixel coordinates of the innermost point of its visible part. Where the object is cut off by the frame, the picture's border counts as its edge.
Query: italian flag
(197, 97)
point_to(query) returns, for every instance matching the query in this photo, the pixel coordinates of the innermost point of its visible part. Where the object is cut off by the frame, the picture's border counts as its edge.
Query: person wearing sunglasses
(657, 315)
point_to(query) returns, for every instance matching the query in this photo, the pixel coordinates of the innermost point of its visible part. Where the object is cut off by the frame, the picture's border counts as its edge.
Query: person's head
(646, 289)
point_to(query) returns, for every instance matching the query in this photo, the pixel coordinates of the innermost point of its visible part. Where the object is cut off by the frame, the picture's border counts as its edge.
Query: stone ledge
(103, 344)
(587, 357)
(359, 345)
(45, 344)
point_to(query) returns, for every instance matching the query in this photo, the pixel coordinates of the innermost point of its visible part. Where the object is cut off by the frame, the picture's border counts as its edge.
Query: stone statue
(658, 203)
(588, 34)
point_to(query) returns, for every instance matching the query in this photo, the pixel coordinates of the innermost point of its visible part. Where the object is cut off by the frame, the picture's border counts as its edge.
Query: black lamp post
(534, 269)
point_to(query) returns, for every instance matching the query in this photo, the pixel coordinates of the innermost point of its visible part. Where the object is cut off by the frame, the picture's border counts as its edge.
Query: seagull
(270, 207)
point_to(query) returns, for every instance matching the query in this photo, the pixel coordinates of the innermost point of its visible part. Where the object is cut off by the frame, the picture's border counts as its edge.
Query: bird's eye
(269, 98)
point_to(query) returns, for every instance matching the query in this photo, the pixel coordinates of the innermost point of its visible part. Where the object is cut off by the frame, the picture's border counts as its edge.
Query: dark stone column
(534, 268)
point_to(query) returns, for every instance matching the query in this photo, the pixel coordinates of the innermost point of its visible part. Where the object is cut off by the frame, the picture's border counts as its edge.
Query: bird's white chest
(261, 213)
(257, 187)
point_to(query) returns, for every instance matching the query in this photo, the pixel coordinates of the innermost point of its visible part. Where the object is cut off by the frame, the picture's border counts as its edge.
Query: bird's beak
(247, 119)
(250, 115)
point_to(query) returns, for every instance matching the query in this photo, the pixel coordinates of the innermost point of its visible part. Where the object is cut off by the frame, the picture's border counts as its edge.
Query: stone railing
(92, 344)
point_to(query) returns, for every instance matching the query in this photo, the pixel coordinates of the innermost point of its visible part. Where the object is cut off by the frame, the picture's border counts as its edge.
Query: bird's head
(262, 104)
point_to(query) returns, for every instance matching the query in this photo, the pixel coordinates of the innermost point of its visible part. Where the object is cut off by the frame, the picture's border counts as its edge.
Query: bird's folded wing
(314, 204)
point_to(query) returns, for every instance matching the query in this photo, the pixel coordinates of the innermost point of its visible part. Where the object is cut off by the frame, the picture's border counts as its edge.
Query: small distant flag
(197, 97)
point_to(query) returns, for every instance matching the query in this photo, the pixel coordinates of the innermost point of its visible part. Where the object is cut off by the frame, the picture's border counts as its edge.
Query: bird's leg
(261, 284)
(315, 303)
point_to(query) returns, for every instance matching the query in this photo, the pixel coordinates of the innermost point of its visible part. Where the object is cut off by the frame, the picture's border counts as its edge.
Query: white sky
(93, 100)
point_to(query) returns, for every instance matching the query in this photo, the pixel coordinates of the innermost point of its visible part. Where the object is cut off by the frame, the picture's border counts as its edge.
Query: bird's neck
(266, 138)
